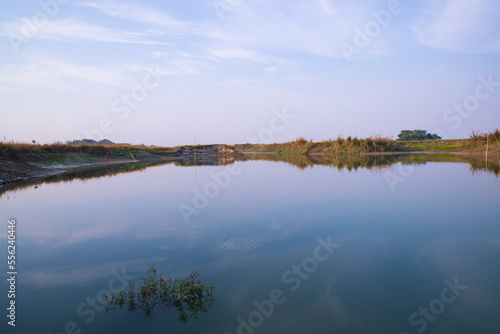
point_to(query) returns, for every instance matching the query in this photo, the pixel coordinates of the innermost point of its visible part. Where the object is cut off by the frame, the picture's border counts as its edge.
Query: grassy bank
(301, 146)
(66, 153)
(475, 145)
(21, 162)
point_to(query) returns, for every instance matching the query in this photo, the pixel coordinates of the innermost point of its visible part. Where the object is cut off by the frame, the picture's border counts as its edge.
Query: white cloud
(138, 14)
(56, 75)
(272, 70)
(15, 77)
(159, 54)
(71, 30)
(234, 54)
(294, 26)
(82, 275)
(326, 6)
(461, 26)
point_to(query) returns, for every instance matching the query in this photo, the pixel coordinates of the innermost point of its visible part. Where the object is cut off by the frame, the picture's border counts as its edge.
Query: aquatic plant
(188, 295)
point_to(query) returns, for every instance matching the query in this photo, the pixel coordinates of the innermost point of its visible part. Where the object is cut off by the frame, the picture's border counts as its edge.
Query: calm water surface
(400, 249)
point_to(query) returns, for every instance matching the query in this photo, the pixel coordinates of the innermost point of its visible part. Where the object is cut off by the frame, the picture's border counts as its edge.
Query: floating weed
(188, 295)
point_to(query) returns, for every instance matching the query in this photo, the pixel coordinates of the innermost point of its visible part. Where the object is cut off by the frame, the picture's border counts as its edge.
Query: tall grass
(340, 145)
(477, 138)
(23, 150)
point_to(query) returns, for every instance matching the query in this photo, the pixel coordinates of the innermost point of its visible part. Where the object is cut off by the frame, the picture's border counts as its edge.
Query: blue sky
(157, 72)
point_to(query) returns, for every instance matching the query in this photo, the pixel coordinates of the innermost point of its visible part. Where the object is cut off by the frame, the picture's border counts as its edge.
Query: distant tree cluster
(417, 135)
(91, 142)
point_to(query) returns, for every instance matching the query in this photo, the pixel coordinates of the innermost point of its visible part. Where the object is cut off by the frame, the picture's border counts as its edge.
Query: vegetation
(416, 135)
(437, 147)
(61, 153)
(22, 162)
(89, 142)
(340, 145)
(81, 150)
(341, 162)
(478, 139)
(188, 295)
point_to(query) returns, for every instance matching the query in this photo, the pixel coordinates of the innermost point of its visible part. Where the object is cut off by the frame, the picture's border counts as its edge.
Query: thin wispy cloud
(274, 52)
(234, 54)
(138, 14)
(73, 30)
(53, 74)
(159, 54)
(326, 6)
(296, 26)
(461, 26)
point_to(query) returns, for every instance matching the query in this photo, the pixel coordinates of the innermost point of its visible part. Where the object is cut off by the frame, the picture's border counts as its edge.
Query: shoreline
(25, 167)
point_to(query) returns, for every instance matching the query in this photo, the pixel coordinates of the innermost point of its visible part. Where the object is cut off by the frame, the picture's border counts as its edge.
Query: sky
(172, 72)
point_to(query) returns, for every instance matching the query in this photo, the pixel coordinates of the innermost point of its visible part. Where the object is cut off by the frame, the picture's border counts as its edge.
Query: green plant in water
(188, 295)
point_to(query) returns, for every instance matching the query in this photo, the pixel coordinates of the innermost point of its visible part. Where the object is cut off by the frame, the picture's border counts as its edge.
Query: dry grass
(58, 150)
(340, 145)
(478, 139)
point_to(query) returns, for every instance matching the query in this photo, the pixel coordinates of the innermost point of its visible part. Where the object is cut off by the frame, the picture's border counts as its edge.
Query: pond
(291, 245)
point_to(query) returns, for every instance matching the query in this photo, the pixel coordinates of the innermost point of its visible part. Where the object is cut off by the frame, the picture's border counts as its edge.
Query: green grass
(188, 295)
(445, 147)
(438, 147)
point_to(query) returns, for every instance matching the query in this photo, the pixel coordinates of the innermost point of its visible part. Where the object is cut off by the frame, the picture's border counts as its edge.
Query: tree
(417, 135)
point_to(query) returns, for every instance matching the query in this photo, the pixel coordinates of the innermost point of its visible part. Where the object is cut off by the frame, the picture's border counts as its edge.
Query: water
(304, 248)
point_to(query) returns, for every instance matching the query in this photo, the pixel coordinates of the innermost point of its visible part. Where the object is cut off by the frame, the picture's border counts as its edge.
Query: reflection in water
(345, 162)
(341, 162)
(188, 295)
(397, 247)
